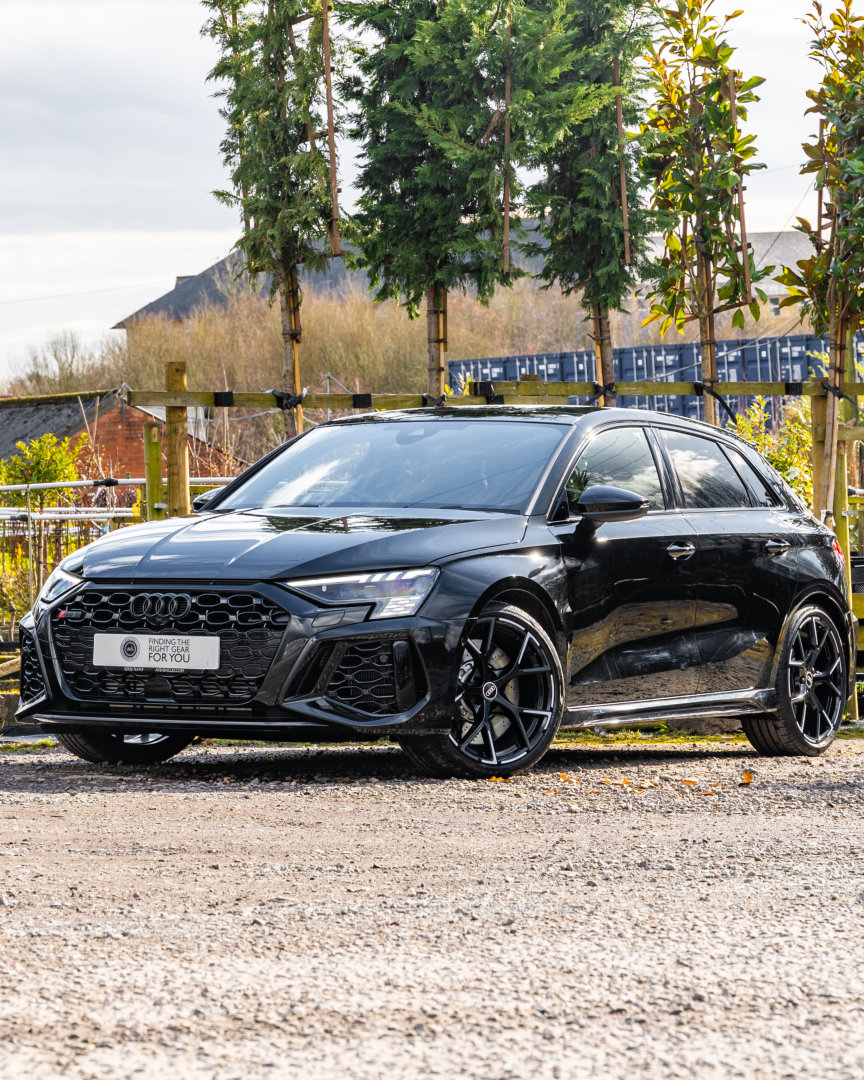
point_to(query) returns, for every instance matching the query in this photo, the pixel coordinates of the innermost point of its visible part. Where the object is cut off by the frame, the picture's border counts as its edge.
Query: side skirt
(640, 713)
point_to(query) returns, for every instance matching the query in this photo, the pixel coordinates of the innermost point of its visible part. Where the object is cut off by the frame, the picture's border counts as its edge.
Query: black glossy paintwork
(745, 592)
(252, 545)
(634, 626)
(634, 638)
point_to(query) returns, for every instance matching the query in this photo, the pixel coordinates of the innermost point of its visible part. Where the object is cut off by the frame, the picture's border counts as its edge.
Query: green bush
(41, 461)
(787, 447)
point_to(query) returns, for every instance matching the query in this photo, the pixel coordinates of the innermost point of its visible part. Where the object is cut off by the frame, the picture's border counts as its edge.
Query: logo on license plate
(129, 647)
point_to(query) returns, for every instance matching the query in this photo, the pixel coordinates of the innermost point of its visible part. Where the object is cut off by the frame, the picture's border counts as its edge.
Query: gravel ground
(242, 913)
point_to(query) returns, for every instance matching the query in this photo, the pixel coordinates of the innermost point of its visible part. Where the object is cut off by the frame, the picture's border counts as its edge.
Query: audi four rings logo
(164, 605)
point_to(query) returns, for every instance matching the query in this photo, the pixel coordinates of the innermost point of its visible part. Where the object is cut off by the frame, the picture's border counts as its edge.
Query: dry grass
(367, 346)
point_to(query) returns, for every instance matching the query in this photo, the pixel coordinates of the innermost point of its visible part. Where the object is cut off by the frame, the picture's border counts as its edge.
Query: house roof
(212, 285)
(25, 418)
(770, 249)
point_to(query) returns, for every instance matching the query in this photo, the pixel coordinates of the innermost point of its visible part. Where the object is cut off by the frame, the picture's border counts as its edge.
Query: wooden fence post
(840, 509)
(177, 442)
(154, 495)
(818, 410)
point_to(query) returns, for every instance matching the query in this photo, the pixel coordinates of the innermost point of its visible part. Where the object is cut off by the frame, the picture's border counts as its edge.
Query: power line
(87, 292)
(791, 216)
(782, 169)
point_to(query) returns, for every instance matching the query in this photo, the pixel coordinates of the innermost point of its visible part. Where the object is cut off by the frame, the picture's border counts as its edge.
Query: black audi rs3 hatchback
(463, 580)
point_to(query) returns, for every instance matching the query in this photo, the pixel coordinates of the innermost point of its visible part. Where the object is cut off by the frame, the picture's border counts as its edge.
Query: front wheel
(811, 689)
(508, 703)
(116, 748)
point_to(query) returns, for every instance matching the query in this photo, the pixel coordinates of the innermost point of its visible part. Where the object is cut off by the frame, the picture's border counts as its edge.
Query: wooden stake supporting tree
(275, 76)
(829, 285)
(697, 157)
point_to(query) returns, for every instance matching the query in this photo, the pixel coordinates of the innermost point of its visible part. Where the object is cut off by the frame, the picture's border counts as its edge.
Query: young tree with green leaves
(590, 218)
(444, 98)
(697, 156)
(271, 79)
(45, 460)
(829, 285)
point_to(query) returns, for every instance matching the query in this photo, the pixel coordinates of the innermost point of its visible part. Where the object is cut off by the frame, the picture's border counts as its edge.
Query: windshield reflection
(483, 465)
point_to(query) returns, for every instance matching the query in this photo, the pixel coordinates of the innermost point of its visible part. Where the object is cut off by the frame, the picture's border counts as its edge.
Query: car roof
(552, 414)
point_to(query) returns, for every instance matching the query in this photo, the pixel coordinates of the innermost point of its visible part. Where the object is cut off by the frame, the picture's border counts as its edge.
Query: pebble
(367, 922)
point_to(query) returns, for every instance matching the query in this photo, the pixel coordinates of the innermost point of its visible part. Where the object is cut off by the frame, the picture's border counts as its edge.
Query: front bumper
(308, 673)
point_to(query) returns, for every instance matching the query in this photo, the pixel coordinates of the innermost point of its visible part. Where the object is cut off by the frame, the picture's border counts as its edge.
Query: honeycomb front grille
(857, 568)
(365, 679)
(249, 628)
(32, 683)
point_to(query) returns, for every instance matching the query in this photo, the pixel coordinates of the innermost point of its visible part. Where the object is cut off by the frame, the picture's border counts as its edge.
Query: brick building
(111, 432)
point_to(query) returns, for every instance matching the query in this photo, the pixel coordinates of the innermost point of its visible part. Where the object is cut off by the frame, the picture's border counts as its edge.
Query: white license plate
(175, 652)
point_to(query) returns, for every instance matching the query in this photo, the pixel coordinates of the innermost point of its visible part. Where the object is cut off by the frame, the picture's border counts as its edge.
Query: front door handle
(777, 547)
(681, 549)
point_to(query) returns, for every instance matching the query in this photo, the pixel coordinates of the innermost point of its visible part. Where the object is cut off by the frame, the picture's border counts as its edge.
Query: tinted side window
(763, 494)
(707, 479)
(622, 458)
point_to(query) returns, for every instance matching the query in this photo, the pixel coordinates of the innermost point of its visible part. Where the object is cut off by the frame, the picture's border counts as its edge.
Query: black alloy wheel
(508, 700)
(811, 689)
(115, 748)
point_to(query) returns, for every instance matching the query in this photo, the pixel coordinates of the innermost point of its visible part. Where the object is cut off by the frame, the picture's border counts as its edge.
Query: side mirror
(199, 503)
(599, 504)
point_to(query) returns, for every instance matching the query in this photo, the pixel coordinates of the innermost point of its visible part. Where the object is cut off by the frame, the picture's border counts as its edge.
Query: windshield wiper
(481, 509)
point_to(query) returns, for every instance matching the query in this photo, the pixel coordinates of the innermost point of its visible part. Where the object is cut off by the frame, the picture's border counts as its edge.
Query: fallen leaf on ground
(746, 778)
(689, 783)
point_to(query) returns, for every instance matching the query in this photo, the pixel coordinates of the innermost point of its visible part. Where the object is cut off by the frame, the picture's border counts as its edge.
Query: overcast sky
(109, 152)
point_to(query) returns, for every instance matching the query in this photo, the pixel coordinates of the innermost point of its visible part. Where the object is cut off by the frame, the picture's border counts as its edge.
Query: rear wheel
(115, 748)
(508, 701)
(811, 689)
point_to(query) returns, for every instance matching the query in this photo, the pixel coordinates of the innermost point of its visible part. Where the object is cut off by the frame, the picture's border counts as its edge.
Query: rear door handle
(681, 550)
(777, 547)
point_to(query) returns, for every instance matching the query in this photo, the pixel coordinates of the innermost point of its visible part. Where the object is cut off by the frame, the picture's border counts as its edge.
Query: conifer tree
(271, 76)
(590, 218)
(444, 95)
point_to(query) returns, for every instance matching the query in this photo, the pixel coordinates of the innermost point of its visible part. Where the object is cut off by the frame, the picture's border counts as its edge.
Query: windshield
(462, 464)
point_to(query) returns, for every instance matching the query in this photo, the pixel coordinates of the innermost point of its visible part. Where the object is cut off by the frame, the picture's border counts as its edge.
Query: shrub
(787, 447)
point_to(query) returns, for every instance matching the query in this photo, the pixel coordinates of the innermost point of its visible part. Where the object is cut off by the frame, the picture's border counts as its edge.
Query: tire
(811, 689)
(508, 703)
(115, 748)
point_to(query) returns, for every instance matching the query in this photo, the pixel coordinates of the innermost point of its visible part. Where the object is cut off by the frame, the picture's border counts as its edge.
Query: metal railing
(38, 537)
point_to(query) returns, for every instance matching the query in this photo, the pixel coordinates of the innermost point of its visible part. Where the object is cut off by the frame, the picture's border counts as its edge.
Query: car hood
(252, 545)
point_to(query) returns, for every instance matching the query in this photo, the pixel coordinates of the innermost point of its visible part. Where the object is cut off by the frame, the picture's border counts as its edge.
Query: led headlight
(56, 585)
(393, 592)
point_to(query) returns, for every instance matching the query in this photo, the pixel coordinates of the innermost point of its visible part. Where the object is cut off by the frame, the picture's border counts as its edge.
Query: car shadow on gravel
(224, 768)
